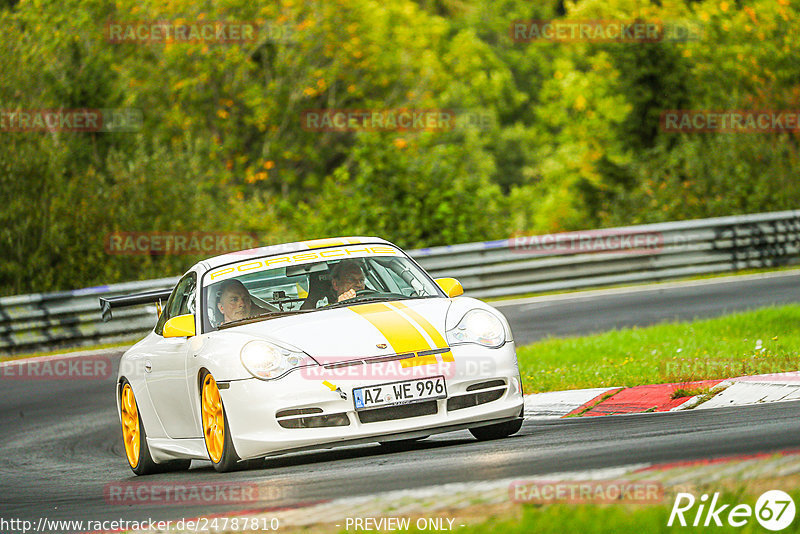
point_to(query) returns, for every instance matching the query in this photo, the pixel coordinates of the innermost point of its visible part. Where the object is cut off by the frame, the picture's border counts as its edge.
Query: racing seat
(319, 287)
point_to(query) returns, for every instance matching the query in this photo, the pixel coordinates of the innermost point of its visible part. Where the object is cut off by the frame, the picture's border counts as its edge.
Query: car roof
(288, 248)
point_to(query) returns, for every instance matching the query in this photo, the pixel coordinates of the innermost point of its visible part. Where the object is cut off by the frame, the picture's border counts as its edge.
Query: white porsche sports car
(311, 345)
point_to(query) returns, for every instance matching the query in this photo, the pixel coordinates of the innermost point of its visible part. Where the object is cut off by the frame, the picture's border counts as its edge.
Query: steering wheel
(282, 301)
(288, 300)
(361, 293)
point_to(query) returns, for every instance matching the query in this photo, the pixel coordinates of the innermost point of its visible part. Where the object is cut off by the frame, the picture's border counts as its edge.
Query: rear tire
(134, 438)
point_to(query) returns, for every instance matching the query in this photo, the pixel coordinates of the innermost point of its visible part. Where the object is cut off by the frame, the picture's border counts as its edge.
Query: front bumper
(252, 405)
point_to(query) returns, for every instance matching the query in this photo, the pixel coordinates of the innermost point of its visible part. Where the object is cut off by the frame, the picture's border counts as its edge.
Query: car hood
(359, 331)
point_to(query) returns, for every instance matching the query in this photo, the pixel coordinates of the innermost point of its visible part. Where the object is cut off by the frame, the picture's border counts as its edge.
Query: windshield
(256, 289)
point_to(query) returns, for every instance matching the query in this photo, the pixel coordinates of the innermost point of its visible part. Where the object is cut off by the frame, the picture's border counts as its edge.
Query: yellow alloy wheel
(213, 419)
(130, 425)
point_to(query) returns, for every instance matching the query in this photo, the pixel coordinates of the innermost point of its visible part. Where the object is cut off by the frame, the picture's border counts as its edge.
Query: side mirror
(180, 326)
(450, 286)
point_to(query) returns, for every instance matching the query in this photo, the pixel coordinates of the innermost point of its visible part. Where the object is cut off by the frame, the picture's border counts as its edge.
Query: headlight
(265, 360)
(478, 326)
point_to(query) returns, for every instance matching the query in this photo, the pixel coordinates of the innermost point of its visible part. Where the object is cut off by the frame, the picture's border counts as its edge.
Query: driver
(347, 278)
(235, 302)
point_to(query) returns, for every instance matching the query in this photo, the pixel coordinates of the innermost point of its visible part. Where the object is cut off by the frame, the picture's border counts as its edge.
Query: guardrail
(518, 265)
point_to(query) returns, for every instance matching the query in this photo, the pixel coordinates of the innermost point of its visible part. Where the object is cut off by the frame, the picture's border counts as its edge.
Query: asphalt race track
(60, 445)
(572, 315)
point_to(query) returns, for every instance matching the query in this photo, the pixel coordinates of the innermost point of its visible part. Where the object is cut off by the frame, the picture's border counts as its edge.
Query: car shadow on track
(349, 452)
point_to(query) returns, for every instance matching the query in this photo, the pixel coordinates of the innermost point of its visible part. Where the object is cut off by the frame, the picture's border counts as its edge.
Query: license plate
(403, 392)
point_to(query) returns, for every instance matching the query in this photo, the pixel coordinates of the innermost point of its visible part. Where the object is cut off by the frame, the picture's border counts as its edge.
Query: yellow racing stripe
(434, 334)
(397, 330)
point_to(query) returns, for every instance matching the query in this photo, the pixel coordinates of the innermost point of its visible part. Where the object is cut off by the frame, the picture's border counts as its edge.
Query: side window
(187, 299)
(180, 302)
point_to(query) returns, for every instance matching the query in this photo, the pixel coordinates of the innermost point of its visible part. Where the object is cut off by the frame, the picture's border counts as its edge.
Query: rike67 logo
(774, 510)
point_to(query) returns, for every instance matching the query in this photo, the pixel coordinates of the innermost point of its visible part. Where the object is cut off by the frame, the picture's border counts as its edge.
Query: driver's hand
(349, 294)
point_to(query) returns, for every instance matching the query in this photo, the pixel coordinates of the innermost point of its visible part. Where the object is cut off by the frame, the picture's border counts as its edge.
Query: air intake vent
(473, 399)
(404, 411)
(486, 385)
(298, 411)
(316, 421)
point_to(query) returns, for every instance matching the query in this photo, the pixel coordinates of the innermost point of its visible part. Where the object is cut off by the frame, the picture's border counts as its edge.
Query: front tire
(498, 431)
(216, 431)
(134, 438)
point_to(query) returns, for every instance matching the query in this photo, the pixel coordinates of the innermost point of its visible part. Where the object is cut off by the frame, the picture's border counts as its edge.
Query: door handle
(148, 366)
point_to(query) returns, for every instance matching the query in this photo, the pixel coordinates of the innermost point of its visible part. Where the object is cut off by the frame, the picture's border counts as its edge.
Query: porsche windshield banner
(297, 258)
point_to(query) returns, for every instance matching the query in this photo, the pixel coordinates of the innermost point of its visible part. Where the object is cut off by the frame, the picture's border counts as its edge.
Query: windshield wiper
(261, 317)
(365, 298)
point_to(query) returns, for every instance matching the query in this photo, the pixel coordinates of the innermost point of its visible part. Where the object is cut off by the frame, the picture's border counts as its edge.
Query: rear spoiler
(148, 297)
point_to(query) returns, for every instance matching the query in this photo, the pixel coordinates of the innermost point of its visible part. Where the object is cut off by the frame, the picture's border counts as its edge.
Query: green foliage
(406, 191)
(571, 138)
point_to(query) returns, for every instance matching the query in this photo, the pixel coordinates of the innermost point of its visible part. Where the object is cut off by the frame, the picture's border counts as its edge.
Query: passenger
(234, 302)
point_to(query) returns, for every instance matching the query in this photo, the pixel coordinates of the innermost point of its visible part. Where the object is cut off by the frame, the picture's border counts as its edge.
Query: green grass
(675, 352)
(618, 518)
(689, 392)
